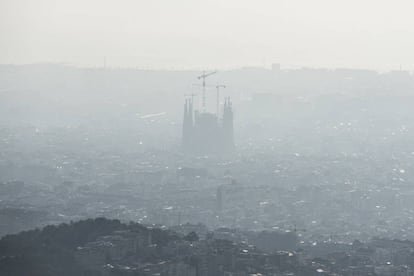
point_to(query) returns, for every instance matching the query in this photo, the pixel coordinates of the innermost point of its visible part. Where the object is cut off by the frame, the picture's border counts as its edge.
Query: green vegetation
(51, 250)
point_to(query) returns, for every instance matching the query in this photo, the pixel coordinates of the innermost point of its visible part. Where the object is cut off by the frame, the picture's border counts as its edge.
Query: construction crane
(218, 86)
(204, 76)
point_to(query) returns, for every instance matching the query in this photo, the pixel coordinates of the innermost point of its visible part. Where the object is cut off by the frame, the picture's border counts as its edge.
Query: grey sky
(211, 33)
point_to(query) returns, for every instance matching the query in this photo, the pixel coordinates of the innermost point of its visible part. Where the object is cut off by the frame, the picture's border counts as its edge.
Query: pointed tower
(228, 132)
(190, 113)
(186, 127)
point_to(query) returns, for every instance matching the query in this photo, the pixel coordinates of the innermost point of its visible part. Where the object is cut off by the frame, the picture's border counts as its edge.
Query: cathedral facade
(205, 133)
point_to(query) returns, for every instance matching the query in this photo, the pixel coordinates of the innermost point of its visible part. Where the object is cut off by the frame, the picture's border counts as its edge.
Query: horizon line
(207, 68)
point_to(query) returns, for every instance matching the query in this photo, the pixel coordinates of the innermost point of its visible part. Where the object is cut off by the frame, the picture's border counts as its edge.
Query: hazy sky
(210, 33)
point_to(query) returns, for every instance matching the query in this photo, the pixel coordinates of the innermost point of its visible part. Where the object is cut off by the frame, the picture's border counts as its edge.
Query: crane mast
(203, 77)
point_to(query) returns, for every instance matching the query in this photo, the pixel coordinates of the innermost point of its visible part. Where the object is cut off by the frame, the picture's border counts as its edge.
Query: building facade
(206, 133)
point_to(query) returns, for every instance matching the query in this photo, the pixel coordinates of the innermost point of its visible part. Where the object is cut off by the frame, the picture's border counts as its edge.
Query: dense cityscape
(287, 172)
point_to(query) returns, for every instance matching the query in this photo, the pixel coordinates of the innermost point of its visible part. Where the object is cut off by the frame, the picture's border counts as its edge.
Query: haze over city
(206, 138)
